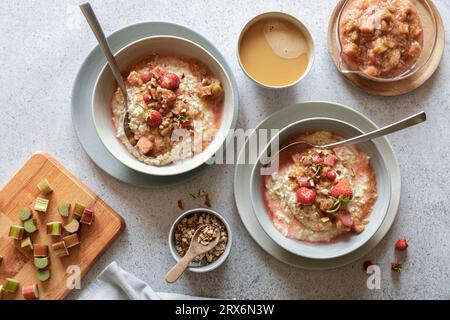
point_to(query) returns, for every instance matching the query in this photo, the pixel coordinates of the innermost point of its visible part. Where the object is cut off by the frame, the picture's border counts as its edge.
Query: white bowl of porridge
(180, 106)
(322, 204)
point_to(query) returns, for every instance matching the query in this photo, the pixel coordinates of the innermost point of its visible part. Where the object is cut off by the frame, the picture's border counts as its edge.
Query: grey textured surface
(40, 53)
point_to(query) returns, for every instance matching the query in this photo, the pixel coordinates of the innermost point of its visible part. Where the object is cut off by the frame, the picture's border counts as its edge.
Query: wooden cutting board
(21, 191)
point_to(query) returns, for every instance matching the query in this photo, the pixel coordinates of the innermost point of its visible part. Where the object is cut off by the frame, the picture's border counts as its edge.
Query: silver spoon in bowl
(396, 126)
(92, 20)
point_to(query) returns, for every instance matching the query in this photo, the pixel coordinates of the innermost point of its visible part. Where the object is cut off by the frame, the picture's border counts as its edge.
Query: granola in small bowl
(184, 228)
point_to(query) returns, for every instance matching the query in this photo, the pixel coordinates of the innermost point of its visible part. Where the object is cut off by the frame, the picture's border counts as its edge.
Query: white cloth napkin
(114, 283)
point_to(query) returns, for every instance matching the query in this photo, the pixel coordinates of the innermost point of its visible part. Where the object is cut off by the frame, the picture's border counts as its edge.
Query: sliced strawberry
(331, 175)
(154, 119)
(169, 81)
(305, 195)
(329, 161)
(342, 188)
(346, 218)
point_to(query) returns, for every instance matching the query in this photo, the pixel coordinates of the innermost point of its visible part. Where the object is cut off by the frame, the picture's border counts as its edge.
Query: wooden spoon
(195, 249)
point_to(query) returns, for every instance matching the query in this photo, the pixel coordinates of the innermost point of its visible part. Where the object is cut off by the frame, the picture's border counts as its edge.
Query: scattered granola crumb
(193, 196)
(180, 204)
(207, 200)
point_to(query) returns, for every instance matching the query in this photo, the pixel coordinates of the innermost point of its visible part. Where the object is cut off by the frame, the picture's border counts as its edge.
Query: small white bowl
(345, 245)
(138, 51)
(296, 22)
(197, 267)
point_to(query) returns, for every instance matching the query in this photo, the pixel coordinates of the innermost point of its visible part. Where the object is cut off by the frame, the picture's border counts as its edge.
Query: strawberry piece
(146, 97)
(154, 120)
(305, 195)
(345, 217)
(331, 175)
(146, 77)
(318, 160)
(367, 264)
(169, 81)
(401, 245)
(396, 266)
(186, 123)
(342, 188)
(304, 182)
(329, 161)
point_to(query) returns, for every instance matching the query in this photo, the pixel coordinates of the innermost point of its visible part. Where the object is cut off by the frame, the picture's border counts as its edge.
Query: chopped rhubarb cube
(144, 145)
(329, 161)
(87, 217)
(346, 218)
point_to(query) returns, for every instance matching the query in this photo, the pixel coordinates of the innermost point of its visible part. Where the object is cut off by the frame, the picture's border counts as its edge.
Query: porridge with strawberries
(382, 38)
(167, 93)
(318, 195)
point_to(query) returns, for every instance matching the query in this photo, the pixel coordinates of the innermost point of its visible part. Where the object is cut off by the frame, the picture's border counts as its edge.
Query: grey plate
(82, 96)
(242, 182)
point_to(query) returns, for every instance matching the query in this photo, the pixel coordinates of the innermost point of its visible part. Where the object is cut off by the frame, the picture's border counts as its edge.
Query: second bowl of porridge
(322, 203)
(180, 106)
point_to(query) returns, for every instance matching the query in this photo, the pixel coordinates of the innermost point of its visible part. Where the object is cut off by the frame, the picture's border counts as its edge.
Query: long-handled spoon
(396, 126)
(92, 20)
(195, 249)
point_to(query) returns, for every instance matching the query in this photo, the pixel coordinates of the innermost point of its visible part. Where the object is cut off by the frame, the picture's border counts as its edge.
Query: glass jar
(429, 25)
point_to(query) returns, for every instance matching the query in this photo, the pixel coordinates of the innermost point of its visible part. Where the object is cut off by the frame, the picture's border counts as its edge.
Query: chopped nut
(358, 228)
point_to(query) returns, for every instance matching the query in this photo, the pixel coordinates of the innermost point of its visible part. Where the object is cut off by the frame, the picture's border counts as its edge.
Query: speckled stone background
(42, 45)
